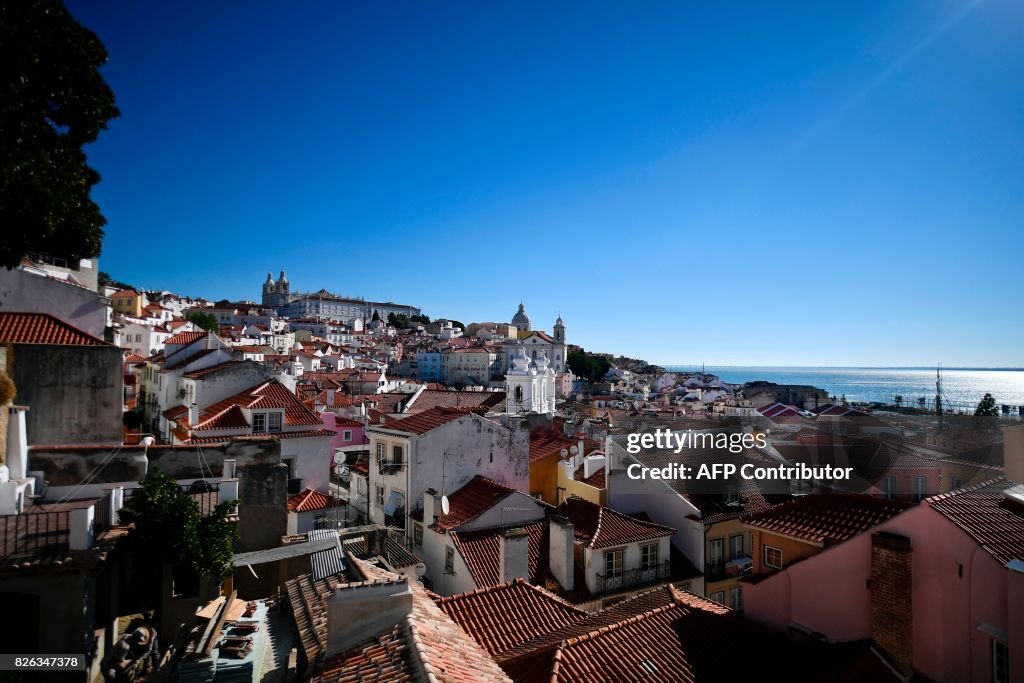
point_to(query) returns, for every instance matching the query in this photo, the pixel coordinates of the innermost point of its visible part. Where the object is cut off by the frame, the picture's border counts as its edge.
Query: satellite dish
(445, 507)
(564, 454)
(574, 449)
(420, 569)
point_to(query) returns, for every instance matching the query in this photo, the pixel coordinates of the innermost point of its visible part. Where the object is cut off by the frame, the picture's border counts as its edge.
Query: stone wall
(74, 393)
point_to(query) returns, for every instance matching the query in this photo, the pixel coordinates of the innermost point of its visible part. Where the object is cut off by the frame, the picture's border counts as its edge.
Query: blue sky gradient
(787, 184)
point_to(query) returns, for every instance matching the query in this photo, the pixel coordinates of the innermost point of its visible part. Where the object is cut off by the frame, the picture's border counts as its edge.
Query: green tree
(55, 101)
(587, 366)
(987, 407)
(169, 528)
(203, 320)
(376, 317)
(421, 319)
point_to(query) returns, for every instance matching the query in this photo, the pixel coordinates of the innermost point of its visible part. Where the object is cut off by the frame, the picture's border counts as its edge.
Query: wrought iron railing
(34, 533)
(608, 582)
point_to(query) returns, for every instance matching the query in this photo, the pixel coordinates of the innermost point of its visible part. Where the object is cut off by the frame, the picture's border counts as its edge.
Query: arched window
(519, 394)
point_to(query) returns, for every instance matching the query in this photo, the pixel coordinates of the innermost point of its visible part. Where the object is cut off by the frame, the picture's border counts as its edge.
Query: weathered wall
(27, 293)
(263, 506)
(74, 393)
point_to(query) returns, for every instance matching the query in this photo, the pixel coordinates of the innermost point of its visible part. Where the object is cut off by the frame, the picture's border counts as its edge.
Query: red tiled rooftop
(985, 514)
(185, 338)
(309, 500)
(43, 328)
(546, 442)
(481, 551)
(270, 394)
(826, 518)
(421, 423)
(469, 502)
(507, 615)
(601, 527)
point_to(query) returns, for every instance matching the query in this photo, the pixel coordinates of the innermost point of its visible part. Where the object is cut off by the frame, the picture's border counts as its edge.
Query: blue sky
(785, 184)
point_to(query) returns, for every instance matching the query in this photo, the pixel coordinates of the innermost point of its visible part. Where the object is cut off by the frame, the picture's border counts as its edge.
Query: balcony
(390, 466)
(631, 578)
(34, 533)
(719, 571)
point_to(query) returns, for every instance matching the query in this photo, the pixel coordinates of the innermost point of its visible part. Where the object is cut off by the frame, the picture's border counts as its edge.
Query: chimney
(211, 340)
(361, 611)
(17, 443)
(80, 528)
(592, 464)
(514, 556)
(431, 503)
(1013, 454)
(560, 551)
(892, 617)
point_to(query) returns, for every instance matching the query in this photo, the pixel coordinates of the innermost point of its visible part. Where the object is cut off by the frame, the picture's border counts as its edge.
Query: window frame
(417, 535)
(920, 487)
(651, 561)
(449, 560)
(616, 555)
(275, 422)
(732, 546)
(736, 598)
(380, 494)
(765, 561)
(1000, 661)
(260, 418)
(719, 597)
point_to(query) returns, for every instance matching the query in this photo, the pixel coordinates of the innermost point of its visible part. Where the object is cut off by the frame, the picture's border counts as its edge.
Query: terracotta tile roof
(546, 442)
(309, 500)
(449, 398)
(202, 372)
(176, 412)
(308, 600)
(426, 646)
(597, 479)
(185, 338)
(469, 502)
(601, 527)
(481, 551)
(421, 423)
(672, 635)
(985, 514)
(507, 615)
(277, 436)
(43, 328)
(826, 518)
(134, 358)
(270, 394)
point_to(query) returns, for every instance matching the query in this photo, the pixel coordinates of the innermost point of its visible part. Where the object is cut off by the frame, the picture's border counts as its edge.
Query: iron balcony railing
(34, 533)
(717, 571)
(608, 582)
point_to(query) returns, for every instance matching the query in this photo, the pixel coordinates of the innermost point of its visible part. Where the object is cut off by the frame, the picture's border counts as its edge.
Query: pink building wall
(829, 594)
(340, 425)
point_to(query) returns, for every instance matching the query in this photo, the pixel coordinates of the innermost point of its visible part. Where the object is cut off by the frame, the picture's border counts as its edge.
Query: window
(346, 435)
(773, 557)
(889, 486)
(736, 546)
(1000, 662)
(381, 450)
(259, 422)
(716, 552)
(396, 455)
(920, 488)
(736, 598)
(957, 483)
(380, 495)
(417, 535)
(273, 422)
(719, 597)
(449, 561)
(649, 556)
(613, 562)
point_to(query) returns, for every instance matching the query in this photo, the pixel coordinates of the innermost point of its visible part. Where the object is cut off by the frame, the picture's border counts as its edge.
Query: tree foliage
(587, 366)
(203, 320)
(104, 279)
(55, 102)
(987, 407)
(170, 528)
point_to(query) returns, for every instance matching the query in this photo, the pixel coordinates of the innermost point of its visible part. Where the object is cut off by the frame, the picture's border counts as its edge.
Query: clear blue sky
(789, 184)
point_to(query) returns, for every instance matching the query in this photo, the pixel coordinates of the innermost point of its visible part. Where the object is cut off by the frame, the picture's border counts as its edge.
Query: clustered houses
(448, 502)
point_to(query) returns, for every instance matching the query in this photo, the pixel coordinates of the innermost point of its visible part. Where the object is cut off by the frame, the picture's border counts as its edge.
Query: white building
(529, 385)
